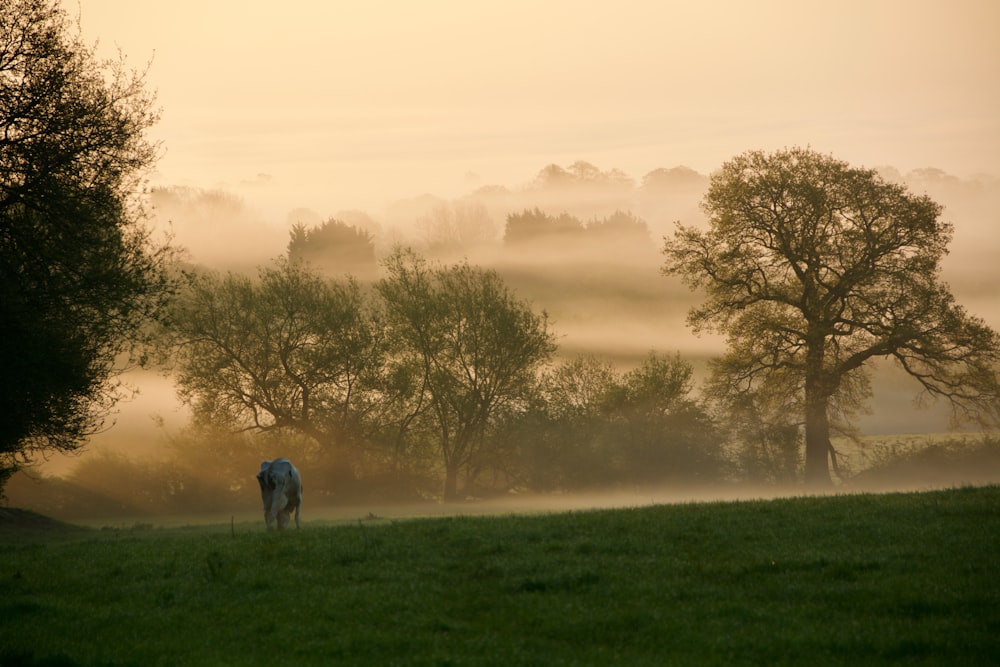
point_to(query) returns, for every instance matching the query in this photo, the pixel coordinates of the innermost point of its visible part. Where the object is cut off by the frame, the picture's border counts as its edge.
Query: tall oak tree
(812, 269)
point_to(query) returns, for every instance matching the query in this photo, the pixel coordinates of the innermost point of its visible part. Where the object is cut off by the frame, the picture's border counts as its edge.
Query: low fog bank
(579, 502)
(922, 480)
(607, 297)
(118, 489)
(241, 227)
(246, 226)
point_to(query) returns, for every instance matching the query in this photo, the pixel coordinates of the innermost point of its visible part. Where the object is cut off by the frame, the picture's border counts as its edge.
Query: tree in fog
(554, 177)
(595, 427)
(476, 344)
(535, 225)
(334, 247)
(79, 275)
(764, 432)
(560, 439)
(619, 226)
(290, 352)
(672, 181)
(457, 226)
(813, 268)
(582, 175)
(664, 434)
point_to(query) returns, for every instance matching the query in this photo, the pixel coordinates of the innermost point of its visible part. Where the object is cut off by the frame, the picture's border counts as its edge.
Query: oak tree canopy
(812, 269)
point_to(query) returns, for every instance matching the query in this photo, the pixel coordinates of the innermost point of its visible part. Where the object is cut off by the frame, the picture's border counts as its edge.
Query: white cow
(281, 490)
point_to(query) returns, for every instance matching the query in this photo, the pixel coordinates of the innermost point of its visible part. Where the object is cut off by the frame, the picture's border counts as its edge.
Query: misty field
(863, 579)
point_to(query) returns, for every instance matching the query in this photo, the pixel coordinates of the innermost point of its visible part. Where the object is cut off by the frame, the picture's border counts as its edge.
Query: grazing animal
(281, 490)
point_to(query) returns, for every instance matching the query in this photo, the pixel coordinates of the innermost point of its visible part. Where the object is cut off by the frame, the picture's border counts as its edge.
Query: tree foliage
(534, 224)
(677, 179)
(591, 426)
(334, 247)
(79, 275)
(813, 268)
(476, 344)
(619, 226)
(290, 351)
(378, 381)
(537, 226)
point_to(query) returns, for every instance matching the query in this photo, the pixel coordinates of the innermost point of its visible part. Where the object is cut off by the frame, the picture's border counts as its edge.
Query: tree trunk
(817, 473)
(817, 445)
(451, 484)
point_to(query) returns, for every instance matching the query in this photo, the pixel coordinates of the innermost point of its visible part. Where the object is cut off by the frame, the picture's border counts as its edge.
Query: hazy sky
(350, 104)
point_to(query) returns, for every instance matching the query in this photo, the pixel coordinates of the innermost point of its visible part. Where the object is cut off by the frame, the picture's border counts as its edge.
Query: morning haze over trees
(458, 348)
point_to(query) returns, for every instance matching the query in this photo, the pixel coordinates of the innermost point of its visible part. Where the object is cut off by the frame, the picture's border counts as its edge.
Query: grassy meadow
(907, 578)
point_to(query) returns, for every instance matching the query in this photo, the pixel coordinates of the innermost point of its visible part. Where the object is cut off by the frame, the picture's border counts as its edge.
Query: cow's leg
(267, 496)
(278, 502)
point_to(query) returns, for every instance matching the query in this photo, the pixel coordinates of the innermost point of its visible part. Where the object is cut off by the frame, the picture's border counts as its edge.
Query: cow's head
(264, 477)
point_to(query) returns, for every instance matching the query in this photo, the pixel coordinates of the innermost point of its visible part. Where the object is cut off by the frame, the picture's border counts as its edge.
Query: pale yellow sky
(348, 104)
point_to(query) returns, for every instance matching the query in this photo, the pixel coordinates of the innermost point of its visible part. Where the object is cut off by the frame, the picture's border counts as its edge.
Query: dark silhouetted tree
(79, 276)
(621, 225)
(334, 247)
(813, 268)
(533, 225)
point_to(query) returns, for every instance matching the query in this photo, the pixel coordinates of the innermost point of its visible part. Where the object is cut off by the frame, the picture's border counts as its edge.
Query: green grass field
(868, 579)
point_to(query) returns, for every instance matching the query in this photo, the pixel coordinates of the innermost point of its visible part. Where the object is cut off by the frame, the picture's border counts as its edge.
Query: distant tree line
(338, 248)
(537, 226)
(333, 247)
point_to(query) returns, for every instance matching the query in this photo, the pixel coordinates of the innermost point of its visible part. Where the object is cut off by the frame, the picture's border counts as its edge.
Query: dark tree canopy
(535, 224)
(621, 225)
(78, 275)
(813, 268)
(538, 227)
(334, 247)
